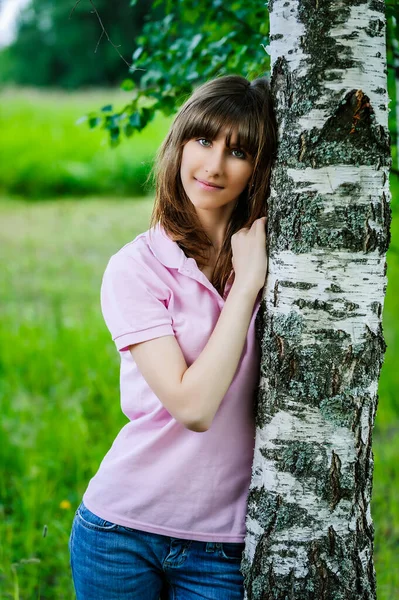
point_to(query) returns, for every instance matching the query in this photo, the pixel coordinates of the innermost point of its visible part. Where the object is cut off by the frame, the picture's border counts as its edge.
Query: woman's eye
(238, 153)
(204, 142)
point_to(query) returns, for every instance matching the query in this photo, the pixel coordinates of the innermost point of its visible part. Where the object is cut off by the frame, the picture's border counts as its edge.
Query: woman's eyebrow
(235, 144)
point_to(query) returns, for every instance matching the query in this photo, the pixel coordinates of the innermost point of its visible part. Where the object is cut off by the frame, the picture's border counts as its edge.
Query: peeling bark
(309, 527)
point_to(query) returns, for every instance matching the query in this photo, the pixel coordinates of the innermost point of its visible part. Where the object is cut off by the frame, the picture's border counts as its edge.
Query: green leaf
(127, 85)
(195, 41)
(167, 104)
(134, 120)
(114, 133)
(146, 116)
(137, 53)
(107, 108)
(94, 121)
(129, 130)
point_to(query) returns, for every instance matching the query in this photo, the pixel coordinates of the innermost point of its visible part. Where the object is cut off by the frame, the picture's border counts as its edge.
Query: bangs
(236, 116)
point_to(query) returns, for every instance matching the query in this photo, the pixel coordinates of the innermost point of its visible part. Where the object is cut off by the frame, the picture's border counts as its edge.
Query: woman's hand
(250, 256)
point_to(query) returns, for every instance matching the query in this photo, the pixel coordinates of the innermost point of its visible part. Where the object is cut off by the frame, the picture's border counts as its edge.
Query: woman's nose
(215, 162)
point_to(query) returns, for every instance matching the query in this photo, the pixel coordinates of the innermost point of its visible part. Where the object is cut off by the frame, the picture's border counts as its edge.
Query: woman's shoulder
(151, 248)
(140, 265)
(135, 248)
(136, 252)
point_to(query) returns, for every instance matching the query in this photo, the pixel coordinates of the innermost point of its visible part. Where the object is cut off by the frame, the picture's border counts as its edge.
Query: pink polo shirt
(159, 476)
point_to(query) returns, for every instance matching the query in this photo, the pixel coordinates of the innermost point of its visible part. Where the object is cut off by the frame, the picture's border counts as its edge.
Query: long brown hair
(238, 106)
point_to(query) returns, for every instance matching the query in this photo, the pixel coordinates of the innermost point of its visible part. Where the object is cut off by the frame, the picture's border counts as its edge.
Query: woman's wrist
(245, 289)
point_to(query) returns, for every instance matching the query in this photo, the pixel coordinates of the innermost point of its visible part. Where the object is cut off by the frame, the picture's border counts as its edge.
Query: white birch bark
(309, 527)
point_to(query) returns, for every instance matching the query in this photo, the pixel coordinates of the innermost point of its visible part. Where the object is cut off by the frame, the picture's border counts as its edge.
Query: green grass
(58, 378)
(44, 153)
(59, 397)
(385, 506)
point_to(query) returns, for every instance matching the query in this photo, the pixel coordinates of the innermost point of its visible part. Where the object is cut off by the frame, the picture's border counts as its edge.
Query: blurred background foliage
(77, 123)
(55, 48)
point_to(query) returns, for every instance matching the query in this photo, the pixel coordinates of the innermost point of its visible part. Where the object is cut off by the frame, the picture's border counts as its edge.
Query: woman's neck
(215, 226)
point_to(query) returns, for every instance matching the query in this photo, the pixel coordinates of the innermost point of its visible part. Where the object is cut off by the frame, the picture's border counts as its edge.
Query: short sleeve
(133, 302)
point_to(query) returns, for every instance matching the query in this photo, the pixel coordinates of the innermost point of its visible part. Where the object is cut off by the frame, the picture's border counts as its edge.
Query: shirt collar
(172, 256)
(164, 249)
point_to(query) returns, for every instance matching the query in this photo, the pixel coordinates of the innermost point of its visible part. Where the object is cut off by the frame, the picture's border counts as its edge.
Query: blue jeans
(112, 562)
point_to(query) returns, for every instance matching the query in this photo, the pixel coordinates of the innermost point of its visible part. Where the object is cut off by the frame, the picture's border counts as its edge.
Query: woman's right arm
(193, 394)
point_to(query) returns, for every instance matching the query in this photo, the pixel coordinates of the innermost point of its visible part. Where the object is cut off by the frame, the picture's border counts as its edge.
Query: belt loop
(210, 547)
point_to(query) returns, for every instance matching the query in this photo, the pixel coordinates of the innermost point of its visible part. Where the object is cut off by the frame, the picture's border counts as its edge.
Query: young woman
(165, 513)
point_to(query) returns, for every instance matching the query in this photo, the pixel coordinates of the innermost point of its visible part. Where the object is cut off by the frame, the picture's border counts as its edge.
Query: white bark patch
(282, 17)
(365, 50)
(327, 180)
(365, 424)
(364, 556)
(312, 428)
(368, 513)
(281, 20)
(287, 563)
(321, 268)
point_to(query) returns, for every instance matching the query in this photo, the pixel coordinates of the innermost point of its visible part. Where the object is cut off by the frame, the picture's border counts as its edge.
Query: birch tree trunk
(309, 527)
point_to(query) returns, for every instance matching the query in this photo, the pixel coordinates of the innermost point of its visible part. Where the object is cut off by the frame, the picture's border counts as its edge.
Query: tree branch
(103, 32)
(73, 10)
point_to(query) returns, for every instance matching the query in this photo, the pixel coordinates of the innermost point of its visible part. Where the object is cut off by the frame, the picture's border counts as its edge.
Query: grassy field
(43, 153)
(58, 378)
(59, 397)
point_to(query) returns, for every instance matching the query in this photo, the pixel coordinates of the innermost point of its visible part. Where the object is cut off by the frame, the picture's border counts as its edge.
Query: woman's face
(213, 175)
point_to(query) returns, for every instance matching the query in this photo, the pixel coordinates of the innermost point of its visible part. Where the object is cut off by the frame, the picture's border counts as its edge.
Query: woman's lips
(208, 186)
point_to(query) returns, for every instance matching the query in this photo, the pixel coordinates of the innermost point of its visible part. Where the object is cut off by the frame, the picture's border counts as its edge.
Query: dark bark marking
(334, 287)
(267, 504)
(335, 475)
(331, 539)
(305, 374)
(370, 356)
(275, 293)
(344, 311)
(280, 343)
(348, 355)
(339, 409)
(300, 224)
(299, 285)
(362, 108)
(335, 381)
(293, 368)
(376, 307)
(376, 28)
(336, 141)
